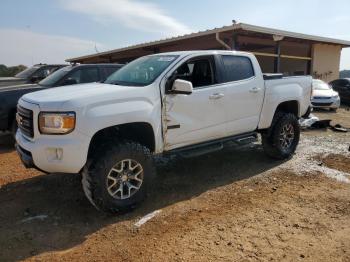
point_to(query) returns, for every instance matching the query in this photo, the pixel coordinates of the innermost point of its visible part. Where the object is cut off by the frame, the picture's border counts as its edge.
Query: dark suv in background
(342, 86)
(69, 75)
(30, 75)
(80, 74)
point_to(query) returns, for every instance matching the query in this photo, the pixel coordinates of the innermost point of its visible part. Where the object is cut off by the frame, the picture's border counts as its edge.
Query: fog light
(54, 154)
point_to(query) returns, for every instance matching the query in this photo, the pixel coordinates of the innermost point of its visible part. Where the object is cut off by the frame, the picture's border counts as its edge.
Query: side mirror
(70, 81)
(182, 87)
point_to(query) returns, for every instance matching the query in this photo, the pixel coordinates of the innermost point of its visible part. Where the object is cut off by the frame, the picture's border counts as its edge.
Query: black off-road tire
(95, 172)
(271, 138)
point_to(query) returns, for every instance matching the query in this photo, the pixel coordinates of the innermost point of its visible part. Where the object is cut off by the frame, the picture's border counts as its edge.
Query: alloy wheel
(125, 179)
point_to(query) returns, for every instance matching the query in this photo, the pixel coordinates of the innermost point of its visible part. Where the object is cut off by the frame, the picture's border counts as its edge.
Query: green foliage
(11, 71)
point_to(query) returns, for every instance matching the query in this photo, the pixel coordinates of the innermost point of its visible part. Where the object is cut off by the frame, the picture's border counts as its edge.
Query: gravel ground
(234, 205)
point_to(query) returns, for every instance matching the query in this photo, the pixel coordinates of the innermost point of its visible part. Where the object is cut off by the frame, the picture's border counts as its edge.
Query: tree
(11, 71)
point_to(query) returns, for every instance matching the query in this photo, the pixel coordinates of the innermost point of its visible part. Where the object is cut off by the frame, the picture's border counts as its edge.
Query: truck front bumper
(53, 154)
(333, 102)
(25, 156)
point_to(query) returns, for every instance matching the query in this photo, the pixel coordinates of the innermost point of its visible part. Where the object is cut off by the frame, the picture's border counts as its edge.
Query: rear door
(200, 116)
(244, 93)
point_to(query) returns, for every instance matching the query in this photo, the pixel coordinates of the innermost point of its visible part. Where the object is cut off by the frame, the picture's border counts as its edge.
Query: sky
(34, 31)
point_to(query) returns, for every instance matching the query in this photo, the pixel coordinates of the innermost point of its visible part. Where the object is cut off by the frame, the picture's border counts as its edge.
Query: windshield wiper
(125, 83)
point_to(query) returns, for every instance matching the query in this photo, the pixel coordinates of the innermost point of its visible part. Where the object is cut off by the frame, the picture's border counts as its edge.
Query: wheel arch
(289, 106)
(141, 132)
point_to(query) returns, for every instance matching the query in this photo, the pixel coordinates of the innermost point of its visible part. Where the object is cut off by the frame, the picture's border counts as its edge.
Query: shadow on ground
(6, 143)
(71, 219)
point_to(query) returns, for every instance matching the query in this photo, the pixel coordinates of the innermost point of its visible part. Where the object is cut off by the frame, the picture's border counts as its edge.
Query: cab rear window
(237, 68)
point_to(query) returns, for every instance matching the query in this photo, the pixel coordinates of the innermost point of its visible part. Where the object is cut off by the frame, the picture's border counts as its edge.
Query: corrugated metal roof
(242, 26)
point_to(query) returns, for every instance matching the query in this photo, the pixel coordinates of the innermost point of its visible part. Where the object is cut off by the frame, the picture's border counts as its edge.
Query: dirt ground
(234, 205)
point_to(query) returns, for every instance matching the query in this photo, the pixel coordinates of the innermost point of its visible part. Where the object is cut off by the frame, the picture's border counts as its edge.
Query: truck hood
(8, 78)
(324, 93)
(17, 87)
(10, 81)
(66, 97)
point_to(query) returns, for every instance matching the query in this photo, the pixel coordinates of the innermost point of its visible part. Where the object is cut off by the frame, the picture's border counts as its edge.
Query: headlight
(56, 123)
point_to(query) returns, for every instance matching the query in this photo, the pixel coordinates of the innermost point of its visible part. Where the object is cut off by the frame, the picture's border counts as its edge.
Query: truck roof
(206, 52)
(102, 64)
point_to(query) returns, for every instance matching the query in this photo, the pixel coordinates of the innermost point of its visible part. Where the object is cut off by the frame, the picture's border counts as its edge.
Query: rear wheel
(281, 140)
(118, 179)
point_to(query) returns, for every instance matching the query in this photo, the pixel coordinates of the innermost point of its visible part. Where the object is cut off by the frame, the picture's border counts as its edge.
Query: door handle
(254, 90)
(216, 96)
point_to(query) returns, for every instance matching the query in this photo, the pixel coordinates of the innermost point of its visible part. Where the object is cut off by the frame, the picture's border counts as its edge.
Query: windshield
(142, 71)
(320, 85)
(52, 79)
(27, 72)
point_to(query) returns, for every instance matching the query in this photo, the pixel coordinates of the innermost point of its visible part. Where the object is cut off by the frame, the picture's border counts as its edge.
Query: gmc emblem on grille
(19, 119)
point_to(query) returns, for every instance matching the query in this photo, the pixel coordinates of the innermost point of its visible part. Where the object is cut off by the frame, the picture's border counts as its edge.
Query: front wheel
(281, 140)
(118, 178)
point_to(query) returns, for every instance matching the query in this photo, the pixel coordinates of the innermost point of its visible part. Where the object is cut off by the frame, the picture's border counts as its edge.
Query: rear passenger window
(89, 75)
(237, 68)
(85, 75)
(109, 70)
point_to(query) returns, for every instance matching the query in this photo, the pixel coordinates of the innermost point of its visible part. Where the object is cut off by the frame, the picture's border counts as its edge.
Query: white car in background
(324, 96)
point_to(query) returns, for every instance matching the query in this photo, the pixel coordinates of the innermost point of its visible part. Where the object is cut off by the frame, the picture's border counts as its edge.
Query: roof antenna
(96, 48)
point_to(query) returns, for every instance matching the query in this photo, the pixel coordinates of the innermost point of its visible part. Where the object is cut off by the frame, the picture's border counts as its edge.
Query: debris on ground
(313, 122)
(39, 217)
(146, 218)
(340, 128)
(308, 122)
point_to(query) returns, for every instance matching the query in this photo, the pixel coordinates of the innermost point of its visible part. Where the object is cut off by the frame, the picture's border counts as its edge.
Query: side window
(84, 75)
(199, 71)
(107, 71)
(237, 68)
(45, 71)
(89, 75)
(42, 72)
(53, 69)
(75, 76)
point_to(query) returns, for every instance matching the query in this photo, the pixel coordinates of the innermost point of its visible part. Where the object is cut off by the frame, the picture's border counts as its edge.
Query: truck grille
(321, 97)
(321, 104)
(25, 121)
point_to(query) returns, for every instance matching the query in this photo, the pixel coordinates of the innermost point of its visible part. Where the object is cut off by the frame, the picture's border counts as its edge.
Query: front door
(200, 116)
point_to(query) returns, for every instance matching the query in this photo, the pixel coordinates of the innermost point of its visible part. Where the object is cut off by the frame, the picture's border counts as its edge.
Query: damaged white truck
(188, 103)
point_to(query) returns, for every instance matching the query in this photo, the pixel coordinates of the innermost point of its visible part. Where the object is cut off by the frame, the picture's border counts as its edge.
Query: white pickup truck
(188, 103)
